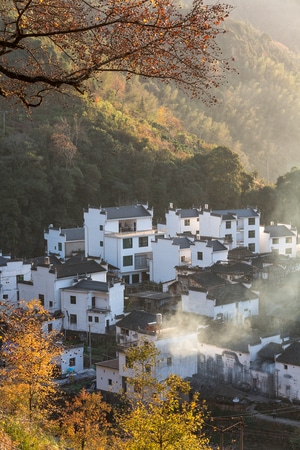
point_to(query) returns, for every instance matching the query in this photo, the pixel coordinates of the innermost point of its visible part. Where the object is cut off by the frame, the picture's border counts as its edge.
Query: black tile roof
(136, 320)
(245, 212)
(183, 242)
(206, 279)
(216, 245)
(186, 213)
(231, 293)
(269, 351)
(73, 234)
(85, 267)
(126, 212)
(291, 355)
(90, 285)
(278, 231)
(233, 268)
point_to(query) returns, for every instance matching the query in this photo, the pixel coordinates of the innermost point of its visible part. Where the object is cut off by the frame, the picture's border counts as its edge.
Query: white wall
(8, 279)
(196, 302)
(93, 220)
(237, 312)
(165, 256)
(209, 256)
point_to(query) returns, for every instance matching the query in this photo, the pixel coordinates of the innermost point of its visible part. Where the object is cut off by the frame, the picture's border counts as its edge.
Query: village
(215, 290)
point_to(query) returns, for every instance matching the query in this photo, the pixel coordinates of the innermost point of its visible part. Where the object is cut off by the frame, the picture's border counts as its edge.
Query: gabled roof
(90, 285)
(246, 212)
(183, 242)
(231, 293)
(278, 231)
(216, 245)
(136, 320)
(126, 212)
(187, 213)
(269, 351)
(232, 268)
(206, 279)
(291, 355)
(240, 253)
(84, 267)
(73, 234)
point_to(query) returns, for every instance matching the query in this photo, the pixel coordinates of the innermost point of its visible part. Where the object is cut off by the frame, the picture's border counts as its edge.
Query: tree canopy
(51, 44)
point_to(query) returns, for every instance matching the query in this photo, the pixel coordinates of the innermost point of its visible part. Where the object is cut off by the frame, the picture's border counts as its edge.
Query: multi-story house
(287, 373)
(180, 221)
(205, 253)
(281, 239)
(167, 253)
(176, 346)
(238, 227)
(47, 280)
(92, 306)
(230, 302)
(64, 242)
(122, 237)
(11, 272)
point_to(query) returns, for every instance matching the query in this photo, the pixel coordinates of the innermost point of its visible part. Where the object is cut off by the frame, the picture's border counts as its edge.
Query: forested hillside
(141, 140)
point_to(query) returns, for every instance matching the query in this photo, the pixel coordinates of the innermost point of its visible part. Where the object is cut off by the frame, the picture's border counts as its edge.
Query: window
(182, 258)
(101, 227)
(275, 241)
(72, 362)
(73, 319)
(187, 222)
(288, 251)
(127, 243)
(285, 366)
(73, 300)
(96, 319)
(288, 240)
(127, 260)
(59, 246)
(5, 296)
(169, 360)
(200, 256)
(42, 299)
(251, 247)
(93, 302)
(50, 304)
(143, 241)
(101, 243)
(228, 237)
(135, 278)
(251, 234)
(20, 278)
(110, 382)
(228, 224)
(50, 327)
(251, 221)
(90, 318)
(141, 261)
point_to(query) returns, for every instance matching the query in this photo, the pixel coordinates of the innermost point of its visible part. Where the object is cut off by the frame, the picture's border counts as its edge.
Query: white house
(122, 237)
(180, 221)
(205, 253)
(71, 360)
(92, 306)
(228, 302)
(238, 227)
(47, 280)
(11, 272)
(287, 370)
(281, 239)
(167, 253)
(177, 347)
(234, 355)
(64, 242)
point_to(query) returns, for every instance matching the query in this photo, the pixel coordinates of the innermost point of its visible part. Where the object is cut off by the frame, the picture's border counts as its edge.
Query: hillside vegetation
(140, 140)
